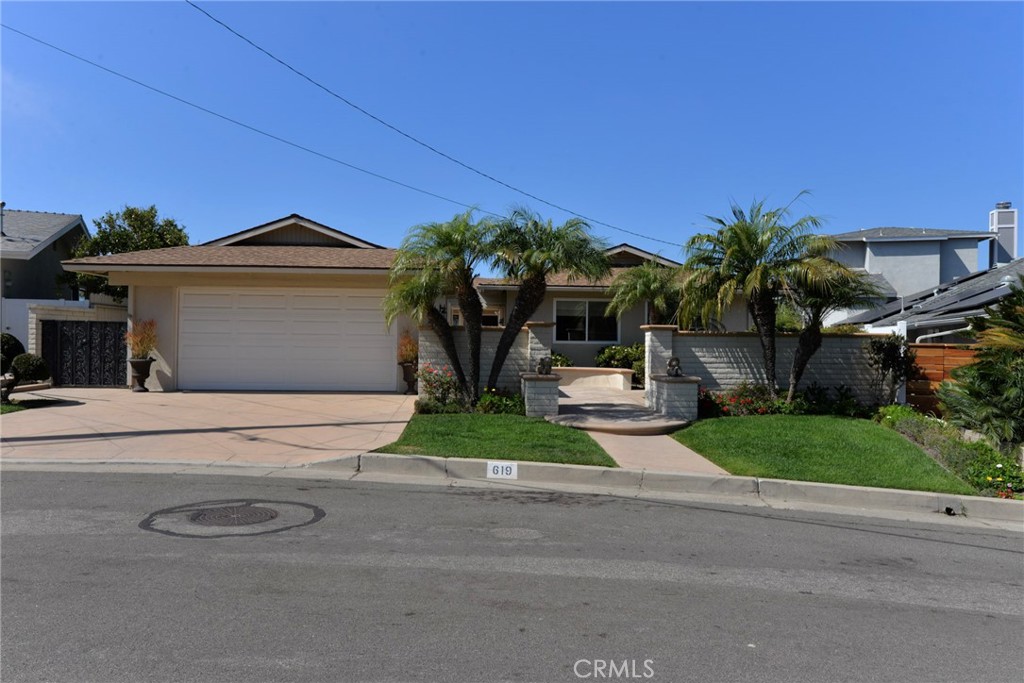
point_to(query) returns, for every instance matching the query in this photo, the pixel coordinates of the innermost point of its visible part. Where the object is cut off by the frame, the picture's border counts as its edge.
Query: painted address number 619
(502, 470)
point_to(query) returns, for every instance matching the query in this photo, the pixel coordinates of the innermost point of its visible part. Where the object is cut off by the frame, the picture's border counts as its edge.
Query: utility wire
(249, 127)
(416, 140)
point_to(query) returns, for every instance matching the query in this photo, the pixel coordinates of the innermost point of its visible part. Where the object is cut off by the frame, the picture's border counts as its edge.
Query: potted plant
(408, 358)
(141, 339)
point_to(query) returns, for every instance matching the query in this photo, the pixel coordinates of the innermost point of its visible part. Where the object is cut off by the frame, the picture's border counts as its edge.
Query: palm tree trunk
(472, 314)
(807, 344)
(437, 322)
(528, 300)
(762, 310)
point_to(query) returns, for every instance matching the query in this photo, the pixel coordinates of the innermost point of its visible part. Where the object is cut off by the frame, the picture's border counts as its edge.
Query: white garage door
(284, 339)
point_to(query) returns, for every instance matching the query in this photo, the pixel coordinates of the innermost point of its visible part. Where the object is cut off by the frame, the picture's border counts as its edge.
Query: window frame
(586, 322)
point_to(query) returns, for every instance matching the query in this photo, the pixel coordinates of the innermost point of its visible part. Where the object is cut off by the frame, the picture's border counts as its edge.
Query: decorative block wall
(532, 343)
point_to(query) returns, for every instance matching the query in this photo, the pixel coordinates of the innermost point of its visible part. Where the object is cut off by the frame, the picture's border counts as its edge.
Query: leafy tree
(655, 284)
(527, 249)
(435, 260)
(130, 229)
(988, 395)
(892, 361)
(814, 299)
(758, 255)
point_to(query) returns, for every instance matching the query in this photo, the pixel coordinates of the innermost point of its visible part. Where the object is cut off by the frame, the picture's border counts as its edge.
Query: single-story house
(582, 328)
(288, 305)
(32, 246)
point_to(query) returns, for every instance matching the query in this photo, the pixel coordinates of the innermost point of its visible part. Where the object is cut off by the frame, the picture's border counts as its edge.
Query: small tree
(757, 254)
(527, 250)
(130, 229)
(892, 361)
(839, 288)
(988, 395)
(656, 285)
(26, 367)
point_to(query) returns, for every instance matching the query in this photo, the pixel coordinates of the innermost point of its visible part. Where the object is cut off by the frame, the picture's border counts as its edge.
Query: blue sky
(644, 116)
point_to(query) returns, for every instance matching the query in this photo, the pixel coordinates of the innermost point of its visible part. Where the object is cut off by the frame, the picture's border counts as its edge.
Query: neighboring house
(904, 261)
(938, 314)
(577, 308)
(288, 305)
(32, 246)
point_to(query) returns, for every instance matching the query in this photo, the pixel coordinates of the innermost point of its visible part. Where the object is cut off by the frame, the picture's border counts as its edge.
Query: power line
(417, 140)
(247, 126)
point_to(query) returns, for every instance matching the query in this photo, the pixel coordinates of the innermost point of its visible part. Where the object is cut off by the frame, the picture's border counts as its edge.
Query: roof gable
(626, 255)
(26, 233)
(293, 231)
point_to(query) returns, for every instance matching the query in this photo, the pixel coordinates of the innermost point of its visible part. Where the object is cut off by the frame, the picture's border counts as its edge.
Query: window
(492, 317)
(584, 321)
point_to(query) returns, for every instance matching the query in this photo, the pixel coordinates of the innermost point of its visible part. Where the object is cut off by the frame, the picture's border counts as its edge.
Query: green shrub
(629, 357)
(428, 406)
(559, 360)
(494, 402)
(10, 348)
(977, 463)
(988, 395)
(892, 362)
(30, 368)
(756, 399)
(847, 328)
(438, 384)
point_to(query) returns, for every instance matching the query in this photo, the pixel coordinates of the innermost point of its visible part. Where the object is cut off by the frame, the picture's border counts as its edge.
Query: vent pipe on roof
(2, 233)
(1002, 222)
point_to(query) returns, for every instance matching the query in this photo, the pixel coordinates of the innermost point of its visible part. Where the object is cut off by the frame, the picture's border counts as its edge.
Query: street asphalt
(105, 578)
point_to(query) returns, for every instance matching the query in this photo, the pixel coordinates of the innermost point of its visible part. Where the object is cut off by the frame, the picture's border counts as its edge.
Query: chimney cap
(1004, 205)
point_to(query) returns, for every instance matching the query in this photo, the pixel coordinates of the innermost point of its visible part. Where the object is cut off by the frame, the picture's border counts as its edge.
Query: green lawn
(504, 437)
(820, 448)
(26, 403)
(10, 408)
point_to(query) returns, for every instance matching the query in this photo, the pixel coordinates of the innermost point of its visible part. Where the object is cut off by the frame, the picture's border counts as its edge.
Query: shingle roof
(907, 233)
(25, 231)
(555, 280)
(884, 287)
(263, 256)
(949, 302)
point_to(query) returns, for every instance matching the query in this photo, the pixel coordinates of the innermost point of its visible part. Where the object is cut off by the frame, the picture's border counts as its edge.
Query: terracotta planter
(409, 376)
(140, 372)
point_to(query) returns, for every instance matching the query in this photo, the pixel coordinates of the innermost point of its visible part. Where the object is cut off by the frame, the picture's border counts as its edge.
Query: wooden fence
(935, 363)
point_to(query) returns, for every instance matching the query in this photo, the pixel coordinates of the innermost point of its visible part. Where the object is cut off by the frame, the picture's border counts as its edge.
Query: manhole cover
(232, 518)
(233, 515)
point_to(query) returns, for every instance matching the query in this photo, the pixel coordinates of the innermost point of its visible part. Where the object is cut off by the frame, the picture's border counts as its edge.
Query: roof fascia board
(936, 238)
(85, 268)
(290, 220)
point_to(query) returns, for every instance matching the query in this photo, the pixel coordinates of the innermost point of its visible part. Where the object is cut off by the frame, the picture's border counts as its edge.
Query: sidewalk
(659, 453)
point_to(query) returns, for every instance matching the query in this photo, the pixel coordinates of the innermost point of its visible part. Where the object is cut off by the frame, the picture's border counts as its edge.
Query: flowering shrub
(495, 401)
(980, 465)
(438, 384)
(141, 338)
(755, 399)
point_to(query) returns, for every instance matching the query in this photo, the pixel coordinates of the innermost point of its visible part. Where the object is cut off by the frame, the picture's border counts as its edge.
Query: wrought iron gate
(85, 353)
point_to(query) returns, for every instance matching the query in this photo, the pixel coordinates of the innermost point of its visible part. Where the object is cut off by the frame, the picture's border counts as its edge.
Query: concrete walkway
(202, 428)
(633, 435)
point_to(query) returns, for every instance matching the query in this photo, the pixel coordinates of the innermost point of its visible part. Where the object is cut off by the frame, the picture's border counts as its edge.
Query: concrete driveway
(277, 429)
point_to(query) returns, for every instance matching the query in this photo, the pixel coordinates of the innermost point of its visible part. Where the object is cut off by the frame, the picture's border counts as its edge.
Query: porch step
(632, 422)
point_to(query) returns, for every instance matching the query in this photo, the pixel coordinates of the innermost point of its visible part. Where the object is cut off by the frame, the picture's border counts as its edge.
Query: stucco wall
(723, 361)
(37, 278)
(959, 258)
(159, 303)
(908, 266)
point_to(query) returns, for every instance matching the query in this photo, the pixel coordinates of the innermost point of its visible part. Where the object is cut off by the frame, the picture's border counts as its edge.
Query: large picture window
(584, 321)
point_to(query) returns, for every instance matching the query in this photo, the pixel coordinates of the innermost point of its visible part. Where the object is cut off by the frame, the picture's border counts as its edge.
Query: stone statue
(544, 366)
(673, 367)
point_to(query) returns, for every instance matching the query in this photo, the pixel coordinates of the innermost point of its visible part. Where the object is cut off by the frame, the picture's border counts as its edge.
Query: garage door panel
(284, 340)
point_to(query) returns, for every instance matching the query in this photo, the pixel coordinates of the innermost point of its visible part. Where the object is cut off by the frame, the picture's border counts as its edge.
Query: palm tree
(756, 254)
(436, 260)
(527, 249)
(655, 284)
(838, 288)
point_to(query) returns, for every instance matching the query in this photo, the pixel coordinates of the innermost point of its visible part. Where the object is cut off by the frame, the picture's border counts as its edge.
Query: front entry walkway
(211, 428)
(633, 435)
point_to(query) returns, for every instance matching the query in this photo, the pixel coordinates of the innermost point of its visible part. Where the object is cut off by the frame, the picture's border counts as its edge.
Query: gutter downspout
(942, 334)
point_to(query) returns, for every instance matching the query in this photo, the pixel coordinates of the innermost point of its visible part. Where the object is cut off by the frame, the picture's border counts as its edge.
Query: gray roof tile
(26, 230)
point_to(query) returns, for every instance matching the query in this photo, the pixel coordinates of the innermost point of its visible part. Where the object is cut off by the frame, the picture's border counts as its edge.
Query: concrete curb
(730, 489)
(646, 481)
